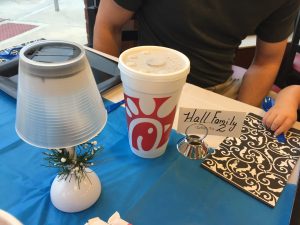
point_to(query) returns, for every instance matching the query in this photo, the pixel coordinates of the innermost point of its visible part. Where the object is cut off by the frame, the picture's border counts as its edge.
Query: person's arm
(261, 74)
(108, 27)
(281, 117)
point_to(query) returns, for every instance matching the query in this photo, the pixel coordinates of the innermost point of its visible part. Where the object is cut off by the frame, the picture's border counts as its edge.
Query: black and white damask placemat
(256, 162)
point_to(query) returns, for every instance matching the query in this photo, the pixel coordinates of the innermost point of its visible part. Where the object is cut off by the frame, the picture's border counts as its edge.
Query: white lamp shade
(58, 104)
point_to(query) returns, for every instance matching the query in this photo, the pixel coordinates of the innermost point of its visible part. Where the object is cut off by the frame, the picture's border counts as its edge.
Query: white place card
(218, 122)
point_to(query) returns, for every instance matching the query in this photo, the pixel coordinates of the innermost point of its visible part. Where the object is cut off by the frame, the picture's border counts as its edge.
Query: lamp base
(67, 196)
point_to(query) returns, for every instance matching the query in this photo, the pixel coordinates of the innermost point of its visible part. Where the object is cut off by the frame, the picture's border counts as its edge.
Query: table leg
(56, 5)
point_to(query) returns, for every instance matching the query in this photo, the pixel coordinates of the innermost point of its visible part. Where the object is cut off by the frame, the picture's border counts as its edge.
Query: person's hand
(281, 117)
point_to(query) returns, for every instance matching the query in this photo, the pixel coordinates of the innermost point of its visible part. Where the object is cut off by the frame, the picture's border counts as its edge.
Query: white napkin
(115, 219)
(96, 221)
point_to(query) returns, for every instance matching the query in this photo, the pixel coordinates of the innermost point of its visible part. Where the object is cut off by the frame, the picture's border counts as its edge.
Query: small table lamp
(59, 106)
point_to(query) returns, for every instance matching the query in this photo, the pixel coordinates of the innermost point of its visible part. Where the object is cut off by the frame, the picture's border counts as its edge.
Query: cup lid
(154, 63)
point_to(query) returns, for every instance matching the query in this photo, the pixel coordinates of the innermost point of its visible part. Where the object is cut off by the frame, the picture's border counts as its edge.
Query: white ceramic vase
(68, 196)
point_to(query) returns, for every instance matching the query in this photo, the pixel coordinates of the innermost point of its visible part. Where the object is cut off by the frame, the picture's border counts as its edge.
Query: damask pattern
(256, 162)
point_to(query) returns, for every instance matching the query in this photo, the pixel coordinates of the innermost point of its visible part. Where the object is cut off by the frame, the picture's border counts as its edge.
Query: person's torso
(207, 31)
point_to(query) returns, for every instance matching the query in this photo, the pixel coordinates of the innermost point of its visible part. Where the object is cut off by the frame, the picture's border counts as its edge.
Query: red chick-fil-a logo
(149, 121)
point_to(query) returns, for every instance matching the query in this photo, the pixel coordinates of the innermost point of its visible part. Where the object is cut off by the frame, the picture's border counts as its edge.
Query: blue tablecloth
(166, 190)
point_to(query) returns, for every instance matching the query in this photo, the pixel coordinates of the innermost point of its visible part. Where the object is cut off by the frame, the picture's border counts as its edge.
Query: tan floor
(66, 24)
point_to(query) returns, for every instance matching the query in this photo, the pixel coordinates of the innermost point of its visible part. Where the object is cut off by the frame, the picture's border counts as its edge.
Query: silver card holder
(192, 145)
